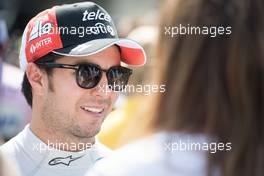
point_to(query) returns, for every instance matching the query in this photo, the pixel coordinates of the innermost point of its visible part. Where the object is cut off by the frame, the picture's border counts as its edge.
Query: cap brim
(131, 52)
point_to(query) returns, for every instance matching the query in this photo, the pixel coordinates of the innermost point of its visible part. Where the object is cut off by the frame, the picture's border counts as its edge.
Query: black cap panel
(82, 22)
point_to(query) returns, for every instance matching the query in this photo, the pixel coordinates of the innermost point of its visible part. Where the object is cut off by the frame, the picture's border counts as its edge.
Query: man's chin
(87, 132)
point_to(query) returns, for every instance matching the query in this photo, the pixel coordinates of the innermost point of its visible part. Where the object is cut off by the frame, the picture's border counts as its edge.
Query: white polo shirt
(35, 160)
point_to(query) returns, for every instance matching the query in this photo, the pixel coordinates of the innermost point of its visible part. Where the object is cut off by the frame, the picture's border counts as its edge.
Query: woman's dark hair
(26, 87)
(215, 85)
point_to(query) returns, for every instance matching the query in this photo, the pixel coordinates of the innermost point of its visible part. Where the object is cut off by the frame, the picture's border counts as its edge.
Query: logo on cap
(40, 29)
(41, 35)
(103, 24)
(95, 16)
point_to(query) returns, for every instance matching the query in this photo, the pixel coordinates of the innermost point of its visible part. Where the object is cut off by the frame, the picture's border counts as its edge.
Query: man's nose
(102, 89)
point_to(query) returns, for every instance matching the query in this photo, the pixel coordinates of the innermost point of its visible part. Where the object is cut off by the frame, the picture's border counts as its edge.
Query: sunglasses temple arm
(53, 65)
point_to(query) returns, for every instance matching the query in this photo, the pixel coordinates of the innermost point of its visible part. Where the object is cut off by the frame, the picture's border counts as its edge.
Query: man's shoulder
(17, 150)
(14, 146)
(11, 147)
(12, 150)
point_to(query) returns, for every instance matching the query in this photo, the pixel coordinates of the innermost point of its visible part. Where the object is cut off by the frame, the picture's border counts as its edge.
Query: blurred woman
(210, 119)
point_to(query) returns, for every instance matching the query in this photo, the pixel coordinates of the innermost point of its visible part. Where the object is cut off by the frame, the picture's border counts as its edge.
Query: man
(71, 56)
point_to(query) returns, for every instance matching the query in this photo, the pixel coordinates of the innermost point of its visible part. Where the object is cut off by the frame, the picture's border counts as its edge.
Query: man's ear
(36, 78)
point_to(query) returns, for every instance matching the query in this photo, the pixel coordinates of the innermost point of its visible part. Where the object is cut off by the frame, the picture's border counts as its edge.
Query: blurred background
(135, 19)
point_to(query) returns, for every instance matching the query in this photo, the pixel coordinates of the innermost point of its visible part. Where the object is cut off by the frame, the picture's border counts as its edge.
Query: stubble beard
(63, 127)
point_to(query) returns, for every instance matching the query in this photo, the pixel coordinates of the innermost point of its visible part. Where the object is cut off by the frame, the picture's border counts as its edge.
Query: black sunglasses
(89, 75)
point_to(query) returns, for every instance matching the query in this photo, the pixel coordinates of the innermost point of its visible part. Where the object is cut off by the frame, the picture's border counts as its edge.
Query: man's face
(65, 101)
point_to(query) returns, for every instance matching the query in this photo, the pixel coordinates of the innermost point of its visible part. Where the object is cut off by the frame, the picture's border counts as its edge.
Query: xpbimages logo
(146, 89)
(58, 145)
(102, 26)
(212, 31)
(182, 143)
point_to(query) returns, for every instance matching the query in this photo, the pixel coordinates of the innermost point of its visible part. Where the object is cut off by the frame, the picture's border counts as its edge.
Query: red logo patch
(42, 35)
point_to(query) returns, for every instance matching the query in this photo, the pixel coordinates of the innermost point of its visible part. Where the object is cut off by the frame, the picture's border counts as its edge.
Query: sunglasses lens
(88, 76)
(118, 78)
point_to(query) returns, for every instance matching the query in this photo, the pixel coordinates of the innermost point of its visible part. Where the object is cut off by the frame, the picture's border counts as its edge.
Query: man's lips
(93, 109)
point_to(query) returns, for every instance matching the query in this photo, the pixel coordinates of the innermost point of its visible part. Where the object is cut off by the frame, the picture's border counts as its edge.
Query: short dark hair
(26, 86)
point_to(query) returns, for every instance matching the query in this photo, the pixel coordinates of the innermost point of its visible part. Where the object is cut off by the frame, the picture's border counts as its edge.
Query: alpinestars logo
(63, 160)
(40, 29)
